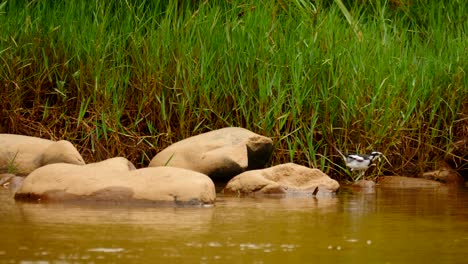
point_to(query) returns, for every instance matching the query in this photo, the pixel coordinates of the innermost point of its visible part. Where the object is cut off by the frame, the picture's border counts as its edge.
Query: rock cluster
(181, 174)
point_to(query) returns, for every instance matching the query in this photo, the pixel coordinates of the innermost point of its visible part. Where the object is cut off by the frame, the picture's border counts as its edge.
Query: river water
(384, 226)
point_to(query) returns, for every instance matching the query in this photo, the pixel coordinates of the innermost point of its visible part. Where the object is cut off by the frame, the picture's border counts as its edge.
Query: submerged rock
(287, 178)
(116, 181)
(407, 182)
(5, 178)
(220, 154)
(23, 154)
(362, 186)
(367, 184)
(15, 183)
(11, 181)
(444, 175)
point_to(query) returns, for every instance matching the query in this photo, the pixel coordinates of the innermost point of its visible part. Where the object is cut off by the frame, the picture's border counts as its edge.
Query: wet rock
(22, 154)
(407, 182)
(5, 178)
(116, 181)
(11, 181)
(15, 183)
(444, 174)
(368, 184)
(363, 186)
(220, 154)
(286, 178)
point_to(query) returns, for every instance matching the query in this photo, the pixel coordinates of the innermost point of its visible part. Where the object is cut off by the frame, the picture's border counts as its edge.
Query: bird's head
(376, 155)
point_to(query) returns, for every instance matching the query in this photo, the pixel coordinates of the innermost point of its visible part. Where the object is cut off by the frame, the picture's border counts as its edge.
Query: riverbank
(129, 79)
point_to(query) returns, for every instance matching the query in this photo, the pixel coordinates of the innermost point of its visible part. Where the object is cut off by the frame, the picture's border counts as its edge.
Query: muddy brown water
(384, 226)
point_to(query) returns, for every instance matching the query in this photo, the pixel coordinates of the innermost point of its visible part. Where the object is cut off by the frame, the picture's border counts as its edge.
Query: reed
(131, 77)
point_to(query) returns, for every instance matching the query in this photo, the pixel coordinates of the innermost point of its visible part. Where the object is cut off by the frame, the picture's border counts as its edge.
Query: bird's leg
(361, 173)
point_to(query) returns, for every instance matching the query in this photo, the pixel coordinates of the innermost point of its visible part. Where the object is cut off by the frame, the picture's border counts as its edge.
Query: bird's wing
(356, 157)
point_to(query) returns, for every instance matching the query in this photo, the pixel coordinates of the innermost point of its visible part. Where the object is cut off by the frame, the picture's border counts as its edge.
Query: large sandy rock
(220, 154)
(287, 178)
(117, 181)
(23, 154)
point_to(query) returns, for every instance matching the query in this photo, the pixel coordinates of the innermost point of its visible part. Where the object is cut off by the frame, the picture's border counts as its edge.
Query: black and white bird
(360, 162)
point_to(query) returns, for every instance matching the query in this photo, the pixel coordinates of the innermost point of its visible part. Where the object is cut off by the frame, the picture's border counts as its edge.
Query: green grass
(12, 168)
(131, 77)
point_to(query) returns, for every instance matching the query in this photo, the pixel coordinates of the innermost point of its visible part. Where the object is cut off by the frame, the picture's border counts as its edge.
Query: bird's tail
(342, 155)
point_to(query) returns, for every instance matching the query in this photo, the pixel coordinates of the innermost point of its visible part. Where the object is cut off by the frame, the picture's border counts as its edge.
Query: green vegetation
(131, 77)
(11, 168)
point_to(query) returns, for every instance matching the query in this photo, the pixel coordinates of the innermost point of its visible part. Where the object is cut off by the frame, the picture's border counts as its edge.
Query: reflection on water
(385, 226)
(160, 219)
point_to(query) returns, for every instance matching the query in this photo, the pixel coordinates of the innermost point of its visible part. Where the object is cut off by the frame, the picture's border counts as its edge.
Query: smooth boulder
(286, 178)
(220, 154)
(116, 181)
(21, 155)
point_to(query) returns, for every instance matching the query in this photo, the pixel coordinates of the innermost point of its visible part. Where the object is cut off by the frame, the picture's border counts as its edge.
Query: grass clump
(131, 77)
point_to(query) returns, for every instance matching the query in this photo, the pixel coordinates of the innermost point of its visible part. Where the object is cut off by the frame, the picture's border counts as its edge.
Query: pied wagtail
(360, 162)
